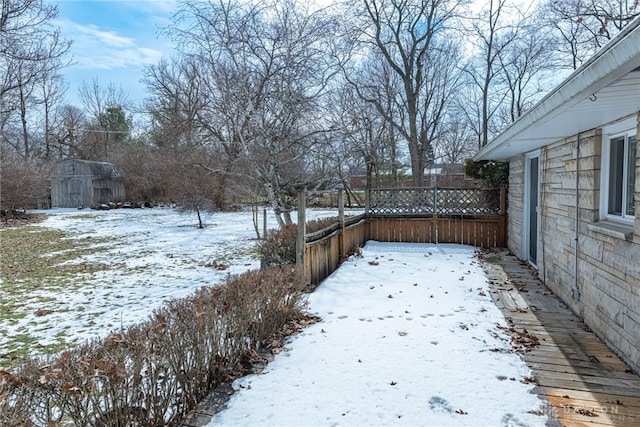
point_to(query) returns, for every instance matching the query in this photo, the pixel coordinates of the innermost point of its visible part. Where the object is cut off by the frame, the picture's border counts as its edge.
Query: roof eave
(619, 57)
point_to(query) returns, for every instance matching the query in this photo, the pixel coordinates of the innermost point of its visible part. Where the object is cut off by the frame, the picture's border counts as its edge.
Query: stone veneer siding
(608, 289)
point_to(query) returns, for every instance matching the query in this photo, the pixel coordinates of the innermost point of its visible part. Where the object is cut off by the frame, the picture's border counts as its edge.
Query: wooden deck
(585, 383)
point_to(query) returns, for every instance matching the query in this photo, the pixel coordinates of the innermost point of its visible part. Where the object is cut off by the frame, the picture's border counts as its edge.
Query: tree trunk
(200, 224)
(23, 119)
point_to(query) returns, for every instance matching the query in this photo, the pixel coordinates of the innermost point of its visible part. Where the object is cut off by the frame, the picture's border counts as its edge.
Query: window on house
(619, 176)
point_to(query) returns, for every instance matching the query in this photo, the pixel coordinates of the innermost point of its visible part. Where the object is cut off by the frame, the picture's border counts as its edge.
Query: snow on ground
(408, 337)
(153, 255)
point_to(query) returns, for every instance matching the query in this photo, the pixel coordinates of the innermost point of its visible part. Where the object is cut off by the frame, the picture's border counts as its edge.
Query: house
(441, 175)
(574, 191)
(83, 183)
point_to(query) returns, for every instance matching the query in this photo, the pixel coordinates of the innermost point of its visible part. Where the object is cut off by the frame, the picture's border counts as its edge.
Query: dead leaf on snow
(43, 312)
(218, 266)
(528, 380)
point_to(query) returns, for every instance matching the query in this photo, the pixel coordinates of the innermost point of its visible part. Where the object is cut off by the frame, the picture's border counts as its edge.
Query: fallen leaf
(586, 412)
(43, 312)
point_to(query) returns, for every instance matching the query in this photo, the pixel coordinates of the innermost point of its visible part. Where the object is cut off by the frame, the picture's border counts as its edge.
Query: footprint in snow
(509, 420)
(439, 404)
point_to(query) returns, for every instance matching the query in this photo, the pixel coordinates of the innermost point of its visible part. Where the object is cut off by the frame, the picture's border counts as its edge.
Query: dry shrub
(279, 245)
(153, 374)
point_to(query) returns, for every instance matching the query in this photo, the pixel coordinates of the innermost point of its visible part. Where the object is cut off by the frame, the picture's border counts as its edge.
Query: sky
(113, 41)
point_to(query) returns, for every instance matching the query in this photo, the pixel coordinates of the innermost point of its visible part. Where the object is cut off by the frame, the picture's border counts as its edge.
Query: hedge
(154, 373)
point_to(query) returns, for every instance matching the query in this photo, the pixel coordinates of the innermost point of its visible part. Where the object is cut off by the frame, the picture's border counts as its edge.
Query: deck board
(584, 382)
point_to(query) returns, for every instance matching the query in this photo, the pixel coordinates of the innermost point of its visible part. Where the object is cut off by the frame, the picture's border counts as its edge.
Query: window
(618, 175)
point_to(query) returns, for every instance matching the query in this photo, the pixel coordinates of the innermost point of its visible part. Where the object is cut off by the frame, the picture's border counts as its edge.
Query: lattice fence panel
(440, 201)
(402, 201)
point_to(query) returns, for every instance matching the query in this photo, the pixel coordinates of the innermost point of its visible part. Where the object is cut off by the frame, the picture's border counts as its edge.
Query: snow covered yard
(408, 337)
(147, 256)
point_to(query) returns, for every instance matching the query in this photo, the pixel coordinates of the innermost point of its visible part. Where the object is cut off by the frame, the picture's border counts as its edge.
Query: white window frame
(624, 129)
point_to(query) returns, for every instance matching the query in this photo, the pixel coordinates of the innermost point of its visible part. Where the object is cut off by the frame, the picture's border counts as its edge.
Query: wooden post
(341, 222)
(264, 223)
(503, 201)
(434, 217)
(302, 230)
(367, 200)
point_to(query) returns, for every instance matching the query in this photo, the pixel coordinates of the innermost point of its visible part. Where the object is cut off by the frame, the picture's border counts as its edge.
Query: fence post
(367, 200)
(434, 217)
(264, 223)
(503, 201)
(302, 230)
(341, 222)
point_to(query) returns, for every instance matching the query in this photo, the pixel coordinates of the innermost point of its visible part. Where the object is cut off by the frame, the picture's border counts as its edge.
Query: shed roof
(99, 170)
(602, 90)
(104, 170)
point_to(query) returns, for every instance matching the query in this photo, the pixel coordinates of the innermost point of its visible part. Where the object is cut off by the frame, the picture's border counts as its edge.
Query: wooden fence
(475, 217)
(324, 252)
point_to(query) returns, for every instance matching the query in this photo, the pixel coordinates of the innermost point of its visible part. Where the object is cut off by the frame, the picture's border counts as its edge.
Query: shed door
(72, 196)
(532, 197)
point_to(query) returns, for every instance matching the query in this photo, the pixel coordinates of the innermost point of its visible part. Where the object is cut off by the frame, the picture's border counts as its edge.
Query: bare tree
(408, 35)
(176, 89)
(525, 69)
(24, 182)
(583, 26)
(494, 32)
(368, 142)
(458, 141)
(52, 89)
(109, 118)
(69, 132)
(30, 50)
(262, 67)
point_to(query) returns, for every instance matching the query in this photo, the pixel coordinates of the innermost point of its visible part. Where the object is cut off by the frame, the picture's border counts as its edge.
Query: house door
(532, 198)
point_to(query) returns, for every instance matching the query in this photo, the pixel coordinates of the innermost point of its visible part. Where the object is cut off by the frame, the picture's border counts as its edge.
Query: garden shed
(78, 183)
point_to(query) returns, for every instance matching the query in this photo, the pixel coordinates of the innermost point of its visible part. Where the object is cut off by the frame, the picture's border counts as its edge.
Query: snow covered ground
(153, 255)
(408, 337)
(408, 333)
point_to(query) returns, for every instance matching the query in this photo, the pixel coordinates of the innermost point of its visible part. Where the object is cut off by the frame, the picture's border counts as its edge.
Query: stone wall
(515, 206)
(607, 292)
